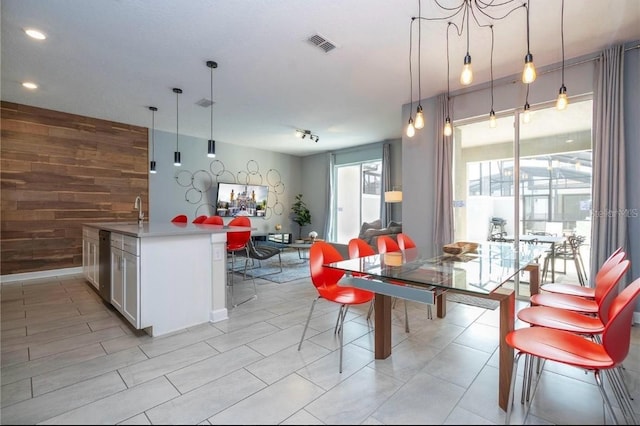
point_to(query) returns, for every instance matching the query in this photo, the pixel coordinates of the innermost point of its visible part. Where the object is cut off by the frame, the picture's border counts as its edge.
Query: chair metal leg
(341, 333)
(605, 398)
(313, 304)
(406, 317)
(514, 377)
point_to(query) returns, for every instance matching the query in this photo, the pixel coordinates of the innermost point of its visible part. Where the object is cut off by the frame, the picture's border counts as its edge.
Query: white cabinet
(90, 255)
(125, 276)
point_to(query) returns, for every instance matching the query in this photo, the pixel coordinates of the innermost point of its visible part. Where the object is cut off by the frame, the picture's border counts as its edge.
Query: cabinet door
(117, 279)
(131, 306)
(94, 263)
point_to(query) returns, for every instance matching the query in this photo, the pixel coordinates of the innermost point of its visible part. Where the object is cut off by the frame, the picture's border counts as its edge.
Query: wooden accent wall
(59, 171)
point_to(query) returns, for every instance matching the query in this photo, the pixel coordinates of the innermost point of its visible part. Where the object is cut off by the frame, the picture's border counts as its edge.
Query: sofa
(370, 231)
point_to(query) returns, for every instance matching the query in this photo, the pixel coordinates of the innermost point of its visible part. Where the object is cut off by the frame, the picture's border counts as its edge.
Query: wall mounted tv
(235, 199)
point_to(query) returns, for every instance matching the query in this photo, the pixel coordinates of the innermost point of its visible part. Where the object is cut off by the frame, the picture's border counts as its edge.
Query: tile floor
(67, 358)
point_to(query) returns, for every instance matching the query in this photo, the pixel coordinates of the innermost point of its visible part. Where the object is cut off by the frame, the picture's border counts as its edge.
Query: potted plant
(301, 214)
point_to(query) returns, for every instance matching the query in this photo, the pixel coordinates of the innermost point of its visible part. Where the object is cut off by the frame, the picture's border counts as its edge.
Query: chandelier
(459, 15)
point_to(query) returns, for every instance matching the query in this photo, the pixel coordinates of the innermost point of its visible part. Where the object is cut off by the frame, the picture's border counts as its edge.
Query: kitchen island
(162, 277)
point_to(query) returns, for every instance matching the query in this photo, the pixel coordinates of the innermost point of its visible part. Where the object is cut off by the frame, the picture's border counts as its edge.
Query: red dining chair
(326, 281)
(181, 218)
(387, 244)
(405, 242)
(360, 248)
(582, 291)
(237, 241)
(574, 350)
(200, 218)
(215, 220)
(576, 322)
(576, 303)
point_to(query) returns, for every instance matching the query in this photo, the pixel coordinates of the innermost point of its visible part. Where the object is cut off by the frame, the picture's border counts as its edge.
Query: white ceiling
(111, 59)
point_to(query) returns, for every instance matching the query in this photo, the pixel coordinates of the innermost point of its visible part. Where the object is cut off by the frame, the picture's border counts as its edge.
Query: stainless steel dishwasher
(104, 265)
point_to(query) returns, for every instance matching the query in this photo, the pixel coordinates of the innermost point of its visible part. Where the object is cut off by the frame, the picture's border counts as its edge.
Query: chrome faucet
(138, 205)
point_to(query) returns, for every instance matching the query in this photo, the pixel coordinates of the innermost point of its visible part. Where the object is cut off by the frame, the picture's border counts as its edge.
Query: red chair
(216, 220)
(579, 290)
(404, 242)
(181, 218)
(576, 303)
(200, 218)
(386, 244)
(238, 242)
(325, 281)
(574, 350)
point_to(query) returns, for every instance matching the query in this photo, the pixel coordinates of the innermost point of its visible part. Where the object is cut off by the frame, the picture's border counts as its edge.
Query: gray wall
(172, 192)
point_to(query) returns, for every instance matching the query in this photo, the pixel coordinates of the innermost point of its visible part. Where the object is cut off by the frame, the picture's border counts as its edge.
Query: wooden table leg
(441, 304)
(382, 307)
(507, 298)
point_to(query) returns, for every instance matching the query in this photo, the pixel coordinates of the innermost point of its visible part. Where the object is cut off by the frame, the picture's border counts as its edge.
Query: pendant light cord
(177, 138)
(211, 103)
(410, 71)
(419, 51)
(562, 38)
(491, 61)
(527, 6)
(448, 86)
(153, 126)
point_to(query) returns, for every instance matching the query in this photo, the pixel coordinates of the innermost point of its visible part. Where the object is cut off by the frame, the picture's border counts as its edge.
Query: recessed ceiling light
(33, 33)
(569, 141)
(29, 85)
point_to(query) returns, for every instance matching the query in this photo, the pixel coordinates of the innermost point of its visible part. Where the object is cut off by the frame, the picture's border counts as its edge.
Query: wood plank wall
(59, 171)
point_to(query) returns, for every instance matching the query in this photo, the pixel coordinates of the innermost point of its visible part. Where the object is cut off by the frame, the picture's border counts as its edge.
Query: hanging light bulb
(526, 115)
(466, 77)
(176, 155)
(562, 101)
(492, 120)
(211, 147)
(448, 129)
(411, 130)
(152, 163)
(529, 72)
(419, 123)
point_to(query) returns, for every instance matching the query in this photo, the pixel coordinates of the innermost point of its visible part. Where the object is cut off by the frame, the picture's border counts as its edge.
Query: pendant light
(526, 115)
(466, 76)
(419, 123)
(562, 94)
(152, 163)
(492, 115)
(411, 130)
(529, 72)
(211, 150)
(176, 154)
(448, 130)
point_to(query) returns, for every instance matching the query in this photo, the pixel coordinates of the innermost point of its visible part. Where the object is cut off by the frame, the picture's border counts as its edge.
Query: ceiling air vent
(322, 43)
(204, 103)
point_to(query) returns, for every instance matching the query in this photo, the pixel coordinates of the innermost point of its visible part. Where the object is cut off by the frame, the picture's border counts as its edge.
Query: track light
(304, 133)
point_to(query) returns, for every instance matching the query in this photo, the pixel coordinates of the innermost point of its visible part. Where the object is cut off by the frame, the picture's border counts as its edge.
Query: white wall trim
(39, 274)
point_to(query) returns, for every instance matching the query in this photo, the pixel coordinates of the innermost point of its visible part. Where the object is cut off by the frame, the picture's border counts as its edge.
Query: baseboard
(218, 315)
(39, 274)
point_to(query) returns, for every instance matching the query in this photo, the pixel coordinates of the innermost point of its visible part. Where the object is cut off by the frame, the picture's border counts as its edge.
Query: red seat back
(214, 220)
(200, 218)
(238, 240)
(387, 244)
(617, 333)
(607, 288)
(404, 242)
(359, 248)
(181, 218)
(320, 253)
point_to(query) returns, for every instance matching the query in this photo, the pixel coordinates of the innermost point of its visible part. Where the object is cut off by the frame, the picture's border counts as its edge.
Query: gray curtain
(385, 208)
(329, 226)
(608, 221)
(443, 208)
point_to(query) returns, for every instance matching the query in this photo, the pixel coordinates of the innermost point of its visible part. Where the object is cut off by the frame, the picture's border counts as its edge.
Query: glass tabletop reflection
(482, 271)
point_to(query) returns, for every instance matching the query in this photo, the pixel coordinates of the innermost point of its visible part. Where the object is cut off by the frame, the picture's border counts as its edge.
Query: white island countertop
(163, 229)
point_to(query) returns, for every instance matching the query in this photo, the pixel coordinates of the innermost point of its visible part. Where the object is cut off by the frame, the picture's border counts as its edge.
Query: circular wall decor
(205, 209)
(252, 167)
(273, 177)
(184, 178)
(279, 188)
(278, 208)
(255, 178)
(227, 177)
(243, 177)
(193, 196)
(217, 167)
(202, 180)
(272, 198)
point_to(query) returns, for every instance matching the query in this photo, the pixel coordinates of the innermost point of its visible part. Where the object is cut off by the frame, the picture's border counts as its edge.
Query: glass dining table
(489, 272)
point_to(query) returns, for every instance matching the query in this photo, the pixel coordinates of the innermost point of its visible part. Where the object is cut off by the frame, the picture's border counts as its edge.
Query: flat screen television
(235, 199)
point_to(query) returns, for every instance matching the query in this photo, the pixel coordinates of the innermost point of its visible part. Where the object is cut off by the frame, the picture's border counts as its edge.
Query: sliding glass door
(546, 178)
(358, 190)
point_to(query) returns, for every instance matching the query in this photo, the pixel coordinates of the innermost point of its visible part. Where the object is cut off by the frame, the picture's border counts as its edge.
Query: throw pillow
(376, 224)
